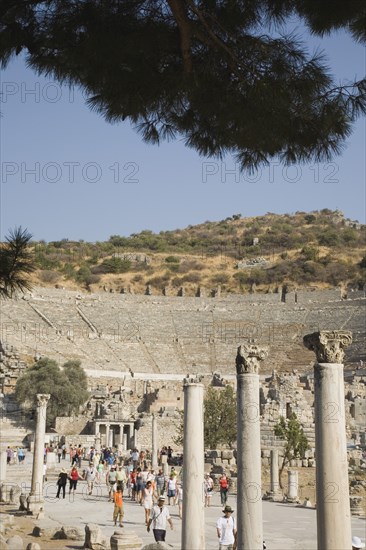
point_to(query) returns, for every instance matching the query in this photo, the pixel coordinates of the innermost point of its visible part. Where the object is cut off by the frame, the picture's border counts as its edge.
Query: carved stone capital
(192, 379)
(249, 357)
(42, 399)
(328, 345)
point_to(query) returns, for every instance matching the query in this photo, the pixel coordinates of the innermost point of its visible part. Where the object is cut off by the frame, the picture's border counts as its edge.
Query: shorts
(159, 535)
(171, 493)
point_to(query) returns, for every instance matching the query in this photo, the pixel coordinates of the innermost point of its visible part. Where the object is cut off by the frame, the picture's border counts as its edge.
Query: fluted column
(249, 485)
(332, 491)
(35, 499)
(193, 525)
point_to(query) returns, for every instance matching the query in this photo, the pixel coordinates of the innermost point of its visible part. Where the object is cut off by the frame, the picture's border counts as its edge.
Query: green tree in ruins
(295, 441)
(219, 418)
(217, 74)
(67, 387)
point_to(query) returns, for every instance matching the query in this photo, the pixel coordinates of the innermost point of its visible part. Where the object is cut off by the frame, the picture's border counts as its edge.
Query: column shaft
(38, 452)
(193, 527)
(154, 443)
(332, 492)
(275, 484)
(249, 502)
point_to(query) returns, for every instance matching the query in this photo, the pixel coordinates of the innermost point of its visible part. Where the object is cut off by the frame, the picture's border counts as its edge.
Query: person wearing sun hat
(357, 544)
(159, 517)
(226, 530)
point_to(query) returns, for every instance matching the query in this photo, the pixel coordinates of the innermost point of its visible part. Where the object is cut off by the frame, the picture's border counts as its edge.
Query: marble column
(293, 486)
(249, 487)
(332, 490)
(275, 490)
(35, 502)
(107, 428)
(3, 466)
(154, 443)
(193, 524)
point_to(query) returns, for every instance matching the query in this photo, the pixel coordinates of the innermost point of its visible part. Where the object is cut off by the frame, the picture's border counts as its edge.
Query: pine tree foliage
(16, 263)
(213, 73)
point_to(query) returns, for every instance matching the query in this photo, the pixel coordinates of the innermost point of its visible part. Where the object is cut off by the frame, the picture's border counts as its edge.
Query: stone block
(15, 543)
(94, 538)
(227, 454)
(39, 531)
(266, 453)
(212, 454)
(69, 532)
(126, 540)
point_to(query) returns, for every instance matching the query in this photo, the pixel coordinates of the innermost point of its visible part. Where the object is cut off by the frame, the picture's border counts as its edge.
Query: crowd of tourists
(15, 455)
(131, 477)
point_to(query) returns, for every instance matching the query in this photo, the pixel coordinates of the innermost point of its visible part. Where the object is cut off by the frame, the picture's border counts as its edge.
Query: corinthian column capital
(328, 345)
(42, 399)
(248, 358)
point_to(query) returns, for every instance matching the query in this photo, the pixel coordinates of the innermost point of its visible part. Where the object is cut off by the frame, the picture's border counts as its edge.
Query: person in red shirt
(224, 488)
(74, 476)
(118, 507)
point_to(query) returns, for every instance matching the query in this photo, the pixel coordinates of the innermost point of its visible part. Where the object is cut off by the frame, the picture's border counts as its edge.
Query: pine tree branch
(180, 15)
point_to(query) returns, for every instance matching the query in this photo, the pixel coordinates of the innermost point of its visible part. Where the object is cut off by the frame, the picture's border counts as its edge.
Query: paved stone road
(286, 527)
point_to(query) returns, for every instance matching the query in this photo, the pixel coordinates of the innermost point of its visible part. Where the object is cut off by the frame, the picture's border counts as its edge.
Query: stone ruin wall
(281, 394)
(143, 346)
(163, 335)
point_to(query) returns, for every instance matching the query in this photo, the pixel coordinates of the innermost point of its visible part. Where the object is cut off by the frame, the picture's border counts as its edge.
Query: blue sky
(66, 173)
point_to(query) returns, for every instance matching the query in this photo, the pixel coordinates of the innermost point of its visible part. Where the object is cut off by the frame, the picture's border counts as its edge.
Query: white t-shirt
(226, 526)
(159, 517)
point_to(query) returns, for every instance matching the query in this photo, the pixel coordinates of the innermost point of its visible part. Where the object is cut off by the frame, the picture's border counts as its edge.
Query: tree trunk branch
(180, 15)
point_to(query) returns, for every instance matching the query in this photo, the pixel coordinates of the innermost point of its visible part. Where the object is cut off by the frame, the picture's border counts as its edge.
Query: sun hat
(228, 509)
(357, 543)
(161, 498)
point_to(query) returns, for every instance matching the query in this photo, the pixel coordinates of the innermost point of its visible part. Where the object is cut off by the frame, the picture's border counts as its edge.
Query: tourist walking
(118, 507)
(90, 475)
(111, 480)
(226, 530)
(180, 499)
(159, 483)
(224, 488)
(148, 500)
(121, 477)
(159, 518)
(74, 477)
(208, 488)
(61, 483)
(171, 488)
(9, 455)
(21, 454)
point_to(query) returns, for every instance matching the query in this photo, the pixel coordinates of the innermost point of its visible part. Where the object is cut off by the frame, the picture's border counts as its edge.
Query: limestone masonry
(137, 350)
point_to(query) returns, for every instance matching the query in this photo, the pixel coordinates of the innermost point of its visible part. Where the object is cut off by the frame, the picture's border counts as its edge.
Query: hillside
(320, 249)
